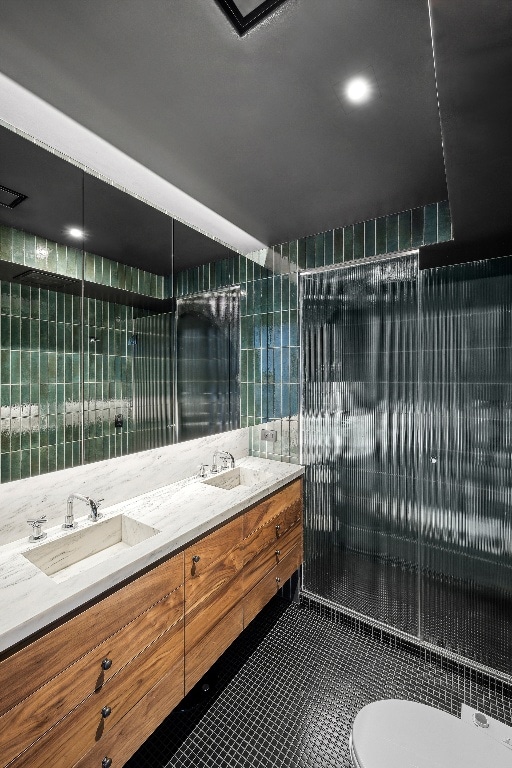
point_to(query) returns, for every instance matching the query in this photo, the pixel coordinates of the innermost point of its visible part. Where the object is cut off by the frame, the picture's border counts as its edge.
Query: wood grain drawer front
(267, 558)
(203, 618)
(86, 725)
(212, 561)
(24, 724)
(47, 656)
(121, 741)
(270, 585)
(200, 657)
(201, 559)
(268, 509)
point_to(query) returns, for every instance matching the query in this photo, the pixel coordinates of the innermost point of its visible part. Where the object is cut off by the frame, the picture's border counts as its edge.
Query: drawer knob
(278, 527)
(278, 579)
(278, 552)
(106, 664)
(106, 762)
(105, 712)
(196, 559)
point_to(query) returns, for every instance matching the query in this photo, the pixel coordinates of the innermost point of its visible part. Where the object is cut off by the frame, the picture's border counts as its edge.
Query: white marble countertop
(180, 512)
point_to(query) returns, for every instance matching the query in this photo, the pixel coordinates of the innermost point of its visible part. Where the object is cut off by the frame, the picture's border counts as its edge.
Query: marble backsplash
(113, 480)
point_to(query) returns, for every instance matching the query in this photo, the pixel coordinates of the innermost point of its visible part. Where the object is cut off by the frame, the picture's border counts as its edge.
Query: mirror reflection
(207, 368)
(90, 340)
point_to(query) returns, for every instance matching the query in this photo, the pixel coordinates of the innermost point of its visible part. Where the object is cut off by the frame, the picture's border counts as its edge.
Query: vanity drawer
(85, 726)
(120, 743)
(211, 562)
(31, 718)
(270, 585)
(277, 504)
(200, 657)
(262, 538)
(261, 563)
(47, 656)
(203, 618)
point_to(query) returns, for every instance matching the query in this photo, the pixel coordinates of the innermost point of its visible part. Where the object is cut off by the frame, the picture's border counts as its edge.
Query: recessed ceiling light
(358, 90)
(75, 232)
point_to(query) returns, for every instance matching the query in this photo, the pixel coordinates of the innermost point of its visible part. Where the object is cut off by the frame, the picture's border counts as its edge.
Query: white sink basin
(232, 478)
(84, 548)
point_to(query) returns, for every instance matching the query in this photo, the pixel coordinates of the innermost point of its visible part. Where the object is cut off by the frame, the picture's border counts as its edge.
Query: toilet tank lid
(405, 734)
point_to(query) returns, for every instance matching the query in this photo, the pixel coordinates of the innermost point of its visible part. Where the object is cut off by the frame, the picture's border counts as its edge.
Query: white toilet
(404, 734)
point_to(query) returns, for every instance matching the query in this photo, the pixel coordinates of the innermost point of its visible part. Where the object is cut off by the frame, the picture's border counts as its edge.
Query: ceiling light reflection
(358, 90)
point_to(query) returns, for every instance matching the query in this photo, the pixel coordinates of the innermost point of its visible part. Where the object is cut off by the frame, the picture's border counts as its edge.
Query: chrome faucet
(69, 520)
(37, 531)
(228, 461)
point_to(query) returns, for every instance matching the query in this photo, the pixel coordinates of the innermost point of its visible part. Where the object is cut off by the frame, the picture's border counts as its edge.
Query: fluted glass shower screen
(360, 389)
(406, 406)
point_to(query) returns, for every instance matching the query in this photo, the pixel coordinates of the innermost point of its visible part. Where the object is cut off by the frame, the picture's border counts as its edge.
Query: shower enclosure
(406, 427)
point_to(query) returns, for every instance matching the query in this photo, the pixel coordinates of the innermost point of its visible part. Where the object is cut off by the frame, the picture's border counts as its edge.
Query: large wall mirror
(108, 346)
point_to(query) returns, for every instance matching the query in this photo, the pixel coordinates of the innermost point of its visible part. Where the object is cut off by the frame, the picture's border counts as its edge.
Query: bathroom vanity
(89, 688)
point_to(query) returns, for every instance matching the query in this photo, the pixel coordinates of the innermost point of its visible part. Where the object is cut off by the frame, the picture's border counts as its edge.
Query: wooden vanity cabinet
(89, 692)
(272, 547)
(71, 685)
(213, 598)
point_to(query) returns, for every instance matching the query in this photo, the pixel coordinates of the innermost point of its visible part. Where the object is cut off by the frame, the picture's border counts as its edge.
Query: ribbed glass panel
(465, 437)
(360, 390)
(153, 409)
(208, 368)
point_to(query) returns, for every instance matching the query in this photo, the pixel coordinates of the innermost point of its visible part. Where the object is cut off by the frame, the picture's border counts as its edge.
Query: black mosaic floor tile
(285, 694)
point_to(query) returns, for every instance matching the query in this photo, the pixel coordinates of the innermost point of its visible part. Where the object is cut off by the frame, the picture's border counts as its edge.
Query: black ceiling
(473, 46)
(253, 126)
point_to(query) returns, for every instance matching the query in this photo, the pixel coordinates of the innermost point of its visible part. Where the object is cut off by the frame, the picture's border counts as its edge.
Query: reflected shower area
(207, 363)
(406, 413)
(153, 402)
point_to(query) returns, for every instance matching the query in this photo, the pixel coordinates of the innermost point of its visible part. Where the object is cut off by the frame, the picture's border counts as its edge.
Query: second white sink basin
(232, 478)
(86, 547)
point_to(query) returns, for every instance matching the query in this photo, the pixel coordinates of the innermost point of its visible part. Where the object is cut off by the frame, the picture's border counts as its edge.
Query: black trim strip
(243, 23)
(19, 197)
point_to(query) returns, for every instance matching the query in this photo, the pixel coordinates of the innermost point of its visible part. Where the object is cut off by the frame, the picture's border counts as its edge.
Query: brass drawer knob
(106, 664)
(106, 762)
(105, 712)
(196, 559)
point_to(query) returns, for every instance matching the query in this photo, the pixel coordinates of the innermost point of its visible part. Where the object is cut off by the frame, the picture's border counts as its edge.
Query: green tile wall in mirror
(87, 319)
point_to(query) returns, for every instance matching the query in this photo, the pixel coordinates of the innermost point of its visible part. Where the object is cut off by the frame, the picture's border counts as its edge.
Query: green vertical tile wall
(108, 379)
(42, 378)
(41, 410)
(40, 381)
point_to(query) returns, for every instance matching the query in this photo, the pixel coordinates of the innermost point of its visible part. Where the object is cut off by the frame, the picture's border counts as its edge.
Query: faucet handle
(37, 533)
(203, 470)
(37, 520)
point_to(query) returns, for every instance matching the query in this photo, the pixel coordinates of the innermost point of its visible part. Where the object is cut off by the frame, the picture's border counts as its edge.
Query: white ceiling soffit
(28, 113)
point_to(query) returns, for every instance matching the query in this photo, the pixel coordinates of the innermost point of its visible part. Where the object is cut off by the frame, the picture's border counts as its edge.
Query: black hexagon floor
(286, 692)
